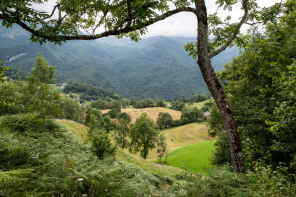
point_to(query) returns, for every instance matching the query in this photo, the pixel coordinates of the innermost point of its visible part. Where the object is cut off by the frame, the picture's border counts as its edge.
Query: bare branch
(54, 8)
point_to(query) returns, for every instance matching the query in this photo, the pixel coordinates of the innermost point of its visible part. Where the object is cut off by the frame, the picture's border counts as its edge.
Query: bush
(12, 156)
(102, 146)
(164, 120)
(22, 123)
(113, 113)
(181, 122)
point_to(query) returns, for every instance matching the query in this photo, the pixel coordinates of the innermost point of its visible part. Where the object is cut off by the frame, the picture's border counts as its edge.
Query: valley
(156, 67)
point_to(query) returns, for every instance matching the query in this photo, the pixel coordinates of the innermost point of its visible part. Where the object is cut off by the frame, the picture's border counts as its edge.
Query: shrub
(113, 113)
(102, 146)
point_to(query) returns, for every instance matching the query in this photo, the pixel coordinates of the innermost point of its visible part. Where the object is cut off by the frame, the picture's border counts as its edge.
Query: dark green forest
(89, 92)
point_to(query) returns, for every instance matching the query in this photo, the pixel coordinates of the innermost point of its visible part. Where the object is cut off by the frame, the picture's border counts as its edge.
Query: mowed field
(152, 112)
(198, 105)
(185, 135)
(194, 157)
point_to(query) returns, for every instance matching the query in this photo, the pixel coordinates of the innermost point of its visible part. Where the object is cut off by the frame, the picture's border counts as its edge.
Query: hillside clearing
(185, 135)
(194, 157)
(152, 112)
(198, 105)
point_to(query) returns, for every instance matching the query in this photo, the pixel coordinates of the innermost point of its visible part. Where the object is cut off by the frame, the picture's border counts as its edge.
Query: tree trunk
(216, 90)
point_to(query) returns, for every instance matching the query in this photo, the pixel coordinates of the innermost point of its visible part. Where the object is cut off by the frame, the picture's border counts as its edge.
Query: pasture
(198, 105)
(194, 157)
(185, 135)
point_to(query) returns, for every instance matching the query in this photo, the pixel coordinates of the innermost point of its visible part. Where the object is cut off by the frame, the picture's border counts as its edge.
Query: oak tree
(143, 135)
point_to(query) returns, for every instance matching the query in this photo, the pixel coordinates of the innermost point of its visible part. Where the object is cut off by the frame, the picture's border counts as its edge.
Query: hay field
(152, 112)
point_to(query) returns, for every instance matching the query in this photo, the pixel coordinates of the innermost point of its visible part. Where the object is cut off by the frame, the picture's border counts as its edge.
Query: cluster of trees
(260, 84)
(103, 104)
(147, 103)
(141, 136)
(194, 98)
(2, 70)
(36, 96)
(89, 92)
(188, 116)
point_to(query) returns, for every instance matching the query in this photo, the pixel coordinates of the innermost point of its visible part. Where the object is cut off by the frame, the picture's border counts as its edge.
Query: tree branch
(233, 36)
(54, 8)
(117, 31)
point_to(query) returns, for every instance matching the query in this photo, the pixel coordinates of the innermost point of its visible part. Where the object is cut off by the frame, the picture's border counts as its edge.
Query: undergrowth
(55, 163)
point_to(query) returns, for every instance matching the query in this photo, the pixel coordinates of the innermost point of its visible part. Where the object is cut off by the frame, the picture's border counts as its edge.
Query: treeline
(177, 104)
(89, 92)
(147, 103)
(194, 98)
(16, 74)
(188, 116)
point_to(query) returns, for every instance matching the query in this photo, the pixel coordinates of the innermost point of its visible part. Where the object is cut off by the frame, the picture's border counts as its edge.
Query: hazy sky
(185, 24)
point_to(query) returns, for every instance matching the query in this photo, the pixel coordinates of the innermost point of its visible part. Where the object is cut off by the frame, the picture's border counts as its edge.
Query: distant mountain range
(156, 67)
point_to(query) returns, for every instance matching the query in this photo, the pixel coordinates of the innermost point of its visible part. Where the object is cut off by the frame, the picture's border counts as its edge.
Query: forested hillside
(156, 67)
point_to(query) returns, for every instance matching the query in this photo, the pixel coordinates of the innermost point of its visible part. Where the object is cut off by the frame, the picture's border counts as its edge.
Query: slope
(80, 132)
(182, 136)
(194, 157)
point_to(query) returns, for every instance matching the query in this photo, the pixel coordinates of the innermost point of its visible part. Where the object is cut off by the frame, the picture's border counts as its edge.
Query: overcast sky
(185, 24)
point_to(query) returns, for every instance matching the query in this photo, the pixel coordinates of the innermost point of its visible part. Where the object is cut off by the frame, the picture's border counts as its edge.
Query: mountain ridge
(156, 67)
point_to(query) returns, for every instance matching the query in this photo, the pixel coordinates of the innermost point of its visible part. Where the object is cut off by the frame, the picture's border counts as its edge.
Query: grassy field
(58, 88)
(193, 158)
(152, 112)
(198, 105)
(185, 135)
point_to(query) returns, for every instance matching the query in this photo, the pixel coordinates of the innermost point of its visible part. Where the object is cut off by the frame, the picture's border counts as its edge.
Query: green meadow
(194, 157)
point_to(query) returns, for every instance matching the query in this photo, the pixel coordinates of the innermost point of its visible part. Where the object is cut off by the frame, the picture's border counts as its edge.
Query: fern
(14, 174)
